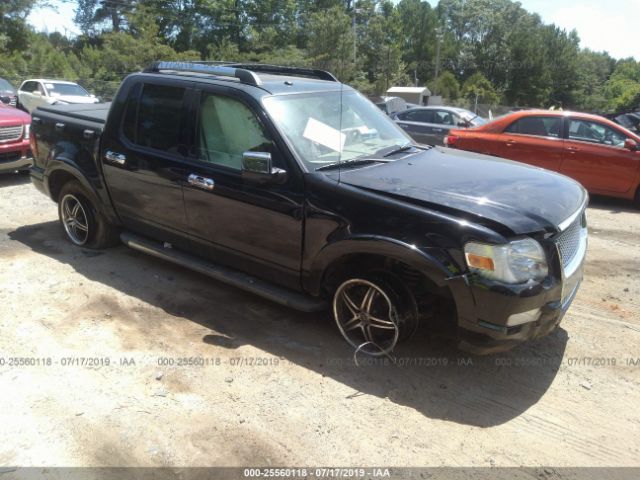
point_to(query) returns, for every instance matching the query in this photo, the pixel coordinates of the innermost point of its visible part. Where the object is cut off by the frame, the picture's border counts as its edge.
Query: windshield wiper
(351, 163)
(400, 149)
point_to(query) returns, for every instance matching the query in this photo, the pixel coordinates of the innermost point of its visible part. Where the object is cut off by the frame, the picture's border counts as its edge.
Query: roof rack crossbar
(222, 70)
(282, 70)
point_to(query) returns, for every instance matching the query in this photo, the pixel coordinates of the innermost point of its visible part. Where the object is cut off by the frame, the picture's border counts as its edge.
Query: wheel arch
(371, 250)
(61, 170)
(62, 173)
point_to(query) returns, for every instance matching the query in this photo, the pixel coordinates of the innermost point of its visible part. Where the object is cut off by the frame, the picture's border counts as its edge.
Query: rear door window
(423, 116)
(538, 126)
(159, 115)
(29, 87)
(130, 119)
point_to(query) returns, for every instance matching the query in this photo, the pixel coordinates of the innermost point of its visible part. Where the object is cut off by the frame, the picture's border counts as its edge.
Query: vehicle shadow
(13, 179)
(612, 205)
(429, 375)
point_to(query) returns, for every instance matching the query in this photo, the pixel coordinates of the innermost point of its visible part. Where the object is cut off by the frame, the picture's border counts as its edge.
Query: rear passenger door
(536, 140)
(254, 227)
(143, 158)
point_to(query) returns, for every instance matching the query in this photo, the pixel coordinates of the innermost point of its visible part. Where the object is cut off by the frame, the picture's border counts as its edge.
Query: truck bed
(95, 113)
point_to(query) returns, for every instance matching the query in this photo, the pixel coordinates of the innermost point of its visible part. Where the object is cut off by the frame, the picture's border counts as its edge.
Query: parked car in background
(629, 120)
(390, 105)
(39, 92)
(429, 125)
(8, 93)
(597, 152)
(15, 153)
(300, 190)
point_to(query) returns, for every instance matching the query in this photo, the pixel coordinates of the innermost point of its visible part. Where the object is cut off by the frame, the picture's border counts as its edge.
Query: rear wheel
(374, 312)
(83, 224)
(637, 199)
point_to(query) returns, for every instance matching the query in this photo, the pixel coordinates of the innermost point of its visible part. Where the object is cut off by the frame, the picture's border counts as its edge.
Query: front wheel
(374, 313)
(83, 224)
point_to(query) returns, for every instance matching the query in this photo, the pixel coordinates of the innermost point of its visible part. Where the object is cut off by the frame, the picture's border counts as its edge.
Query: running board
(283, 296)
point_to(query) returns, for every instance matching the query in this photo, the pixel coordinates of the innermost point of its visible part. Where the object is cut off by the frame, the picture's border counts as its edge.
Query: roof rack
(221, 70)
(245, 72)
(281, 70)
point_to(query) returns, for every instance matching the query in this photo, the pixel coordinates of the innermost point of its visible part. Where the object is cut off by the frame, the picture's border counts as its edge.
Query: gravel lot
(280, 387)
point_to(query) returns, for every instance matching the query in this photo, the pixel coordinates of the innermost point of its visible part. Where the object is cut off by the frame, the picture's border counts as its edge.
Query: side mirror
(631, 144)
(37, 92)
(463, 124)
(258, 167)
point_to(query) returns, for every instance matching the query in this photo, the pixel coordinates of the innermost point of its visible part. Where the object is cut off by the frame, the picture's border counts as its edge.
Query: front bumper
(489, 334)
(495, 317)
(15, 156)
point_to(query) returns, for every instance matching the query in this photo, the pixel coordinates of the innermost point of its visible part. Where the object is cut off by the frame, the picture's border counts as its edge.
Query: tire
(83, 224)
(636, 200)
(374, 312)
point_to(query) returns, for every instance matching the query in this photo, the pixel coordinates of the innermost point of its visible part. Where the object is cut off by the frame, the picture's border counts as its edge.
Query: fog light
(524, 317)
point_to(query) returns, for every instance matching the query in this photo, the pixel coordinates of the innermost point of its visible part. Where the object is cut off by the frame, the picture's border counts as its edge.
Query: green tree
(623, 87)
(330, 42)
(446, 85)
(478, 89)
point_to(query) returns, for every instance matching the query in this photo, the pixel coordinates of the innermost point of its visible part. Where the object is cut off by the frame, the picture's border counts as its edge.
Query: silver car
(430, 125)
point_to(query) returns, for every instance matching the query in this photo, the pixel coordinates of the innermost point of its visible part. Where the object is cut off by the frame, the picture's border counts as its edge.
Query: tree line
(491, 51)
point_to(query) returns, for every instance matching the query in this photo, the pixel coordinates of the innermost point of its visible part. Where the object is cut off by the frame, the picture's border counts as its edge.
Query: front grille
(569, 241)
(10, 157)
(13, 101)
(10, 134)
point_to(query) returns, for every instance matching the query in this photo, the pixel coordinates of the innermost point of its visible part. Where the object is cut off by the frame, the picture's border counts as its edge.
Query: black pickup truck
(293, 186)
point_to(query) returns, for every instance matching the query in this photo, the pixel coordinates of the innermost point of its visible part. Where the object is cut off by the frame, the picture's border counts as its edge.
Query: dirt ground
(280, 388)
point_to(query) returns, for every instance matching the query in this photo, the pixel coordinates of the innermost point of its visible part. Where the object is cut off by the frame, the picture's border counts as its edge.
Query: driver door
(253, 227)
(594, 154)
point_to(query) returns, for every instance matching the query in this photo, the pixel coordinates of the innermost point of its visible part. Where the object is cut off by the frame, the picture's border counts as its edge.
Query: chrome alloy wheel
(366, 316)
(74, 219)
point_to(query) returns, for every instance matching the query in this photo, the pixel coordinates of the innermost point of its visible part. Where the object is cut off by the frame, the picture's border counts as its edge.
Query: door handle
(113, 157)
(572, 149)
(510, 143)
(201, 182)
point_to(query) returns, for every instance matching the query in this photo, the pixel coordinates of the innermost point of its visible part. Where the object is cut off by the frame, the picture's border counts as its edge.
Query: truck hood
(522, 198)
(75, 99)
(12, 116)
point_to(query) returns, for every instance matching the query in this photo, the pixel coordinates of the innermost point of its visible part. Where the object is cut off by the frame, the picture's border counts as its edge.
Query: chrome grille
(569, 241)
(13, 101)
(10, 134)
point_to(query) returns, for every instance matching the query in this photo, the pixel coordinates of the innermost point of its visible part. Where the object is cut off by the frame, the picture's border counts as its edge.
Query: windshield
(58, 89)
(6, 86)
(319, 133)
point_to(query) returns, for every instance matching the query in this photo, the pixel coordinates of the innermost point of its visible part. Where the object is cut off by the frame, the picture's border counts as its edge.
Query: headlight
(515, 262)
(27, 131)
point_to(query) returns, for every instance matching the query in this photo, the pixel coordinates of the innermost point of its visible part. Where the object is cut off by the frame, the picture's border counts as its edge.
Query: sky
(603, 25)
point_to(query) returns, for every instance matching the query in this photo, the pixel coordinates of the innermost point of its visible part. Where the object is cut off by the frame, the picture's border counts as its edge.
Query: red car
(15, 153)
(598, 153)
